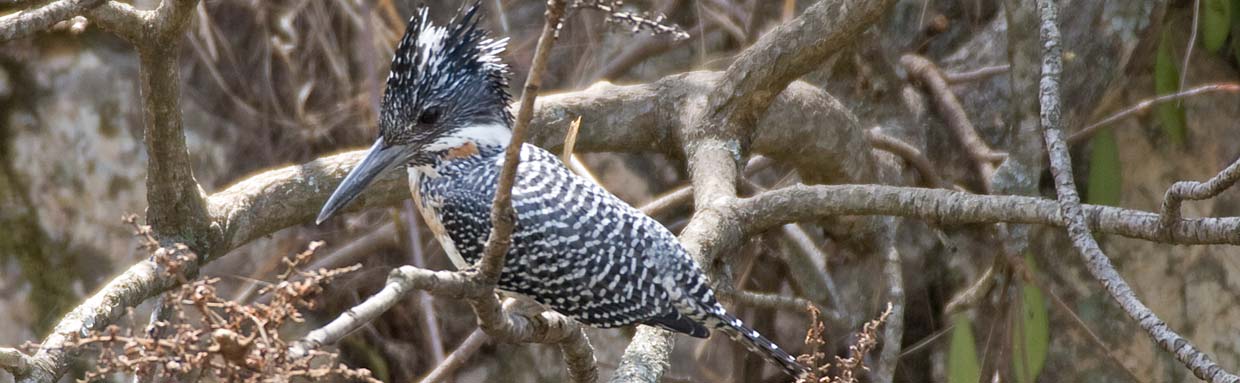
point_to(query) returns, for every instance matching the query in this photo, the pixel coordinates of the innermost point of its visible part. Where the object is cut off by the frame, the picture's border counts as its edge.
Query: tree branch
(502, 215)
(14, 361)
(1088, 132)
(984, 159)
(443, 371)
(1195, 191)
(803, 203)
(1078, 230)
(27, 22)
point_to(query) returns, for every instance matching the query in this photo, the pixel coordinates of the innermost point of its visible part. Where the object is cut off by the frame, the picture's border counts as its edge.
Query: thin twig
(893, 332)
(976, 74)
(909, 153)
(430, 321)
(1192, 42)
(1089, 131)
(443, 371)
(808, 269)
(984, 158)
(502, 215)
(971, 295)
(1078, 230)
(1196, 191)
(570, 140)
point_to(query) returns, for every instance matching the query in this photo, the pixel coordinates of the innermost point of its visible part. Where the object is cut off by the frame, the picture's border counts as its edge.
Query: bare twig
(764, 300)
(984, 158)
(400, 283)
(1192, 42)
(1195, 191)
(443, 371)
(971, 295)
(27, 22)
(656, 24)
(570, 140)
(909, 153)
(430, 320)
(502, 215)
(1078, 230)
(1088, 132)
(893, 332)
(808, 269)
(976, 74)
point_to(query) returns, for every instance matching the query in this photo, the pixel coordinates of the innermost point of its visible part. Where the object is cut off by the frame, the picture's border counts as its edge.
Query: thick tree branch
(14, 361)
(27, 22)
(1078, 230)
(779, 57)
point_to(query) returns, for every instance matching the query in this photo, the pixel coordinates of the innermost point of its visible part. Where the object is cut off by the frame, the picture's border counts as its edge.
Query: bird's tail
(757, 343)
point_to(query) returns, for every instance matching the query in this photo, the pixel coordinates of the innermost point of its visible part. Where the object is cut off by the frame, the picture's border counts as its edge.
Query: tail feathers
(758, 344)
(679, 323)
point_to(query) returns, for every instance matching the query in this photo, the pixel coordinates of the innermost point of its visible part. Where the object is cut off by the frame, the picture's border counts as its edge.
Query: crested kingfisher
(576, 248)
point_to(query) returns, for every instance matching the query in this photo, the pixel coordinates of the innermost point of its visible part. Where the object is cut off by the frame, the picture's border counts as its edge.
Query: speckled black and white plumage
(576, 248)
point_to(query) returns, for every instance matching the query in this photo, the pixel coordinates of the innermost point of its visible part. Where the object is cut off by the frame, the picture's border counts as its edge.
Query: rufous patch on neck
(464, 150)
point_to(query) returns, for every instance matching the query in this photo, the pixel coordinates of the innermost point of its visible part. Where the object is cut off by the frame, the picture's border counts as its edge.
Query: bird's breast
(428, 207)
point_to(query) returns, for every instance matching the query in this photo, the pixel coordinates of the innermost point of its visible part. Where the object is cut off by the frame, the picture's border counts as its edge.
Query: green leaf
(1167, 81)
(962, 366)
(1104, 170)
(1215, 23)
(1031, 335)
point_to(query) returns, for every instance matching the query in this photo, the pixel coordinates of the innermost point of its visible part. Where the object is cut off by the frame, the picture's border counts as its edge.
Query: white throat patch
(482, 135)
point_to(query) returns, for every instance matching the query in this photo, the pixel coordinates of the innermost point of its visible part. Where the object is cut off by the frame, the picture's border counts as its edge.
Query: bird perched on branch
(575, 247)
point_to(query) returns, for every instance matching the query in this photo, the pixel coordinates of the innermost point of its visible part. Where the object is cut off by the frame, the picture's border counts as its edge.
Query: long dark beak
(380, 158)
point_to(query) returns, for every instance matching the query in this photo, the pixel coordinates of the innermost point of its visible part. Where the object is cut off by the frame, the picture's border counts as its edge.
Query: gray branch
(27, 22)
(1195, 191)
(1078, 230)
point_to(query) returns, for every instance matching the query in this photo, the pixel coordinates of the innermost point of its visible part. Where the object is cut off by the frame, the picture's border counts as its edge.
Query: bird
(575, 247)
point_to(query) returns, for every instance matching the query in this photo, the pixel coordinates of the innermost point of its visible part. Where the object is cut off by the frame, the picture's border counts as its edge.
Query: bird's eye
(429, 116)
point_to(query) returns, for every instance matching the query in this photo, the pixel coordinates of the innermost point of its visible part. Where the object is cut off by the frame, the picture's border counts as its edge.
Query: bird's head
(447, 88)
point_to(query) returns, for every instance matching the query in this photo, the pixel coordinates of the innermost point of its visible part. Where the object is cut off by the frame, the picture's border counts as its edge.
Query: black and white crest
(444, 78)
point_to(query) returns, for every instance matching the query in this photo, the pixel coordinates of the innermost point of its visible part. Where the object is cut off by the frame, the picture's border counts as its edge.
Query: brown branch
(984, 158)
(971, 295)
(1089, 131)
(1078, 230)
(27, 22)
(770, 301)
(502, 215)
(976, 74)
(914, 156)
(1196, 191)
